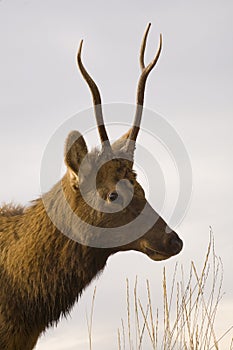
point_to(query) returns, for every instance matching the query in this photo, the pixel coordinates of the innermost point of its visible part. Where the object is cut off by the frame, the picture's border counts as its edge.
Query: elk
(42, 270)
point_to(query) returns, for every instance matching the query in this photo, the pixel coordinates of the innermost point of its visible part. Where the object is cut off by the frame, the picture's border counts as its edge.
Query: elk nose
(175, 243)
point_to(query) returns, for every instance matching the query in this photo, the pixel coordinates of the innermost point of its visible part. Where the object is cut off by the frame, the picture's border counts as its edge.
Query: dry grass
(189, 311)
(90, 322)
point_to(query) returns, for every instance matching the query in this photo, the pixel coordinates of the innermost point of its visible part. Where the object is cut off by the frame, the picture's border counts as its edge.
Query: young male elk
(42, 271)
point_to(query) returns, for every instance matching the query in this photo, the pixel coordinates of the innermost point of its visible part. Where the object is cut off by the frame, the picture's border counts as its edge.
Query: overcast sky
(41, 88)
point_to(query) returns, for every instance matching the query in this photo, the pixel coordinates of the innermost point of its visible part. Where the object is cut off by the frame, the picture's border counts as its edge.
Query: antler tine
(96, 99)
(142, 83)
(143, 47)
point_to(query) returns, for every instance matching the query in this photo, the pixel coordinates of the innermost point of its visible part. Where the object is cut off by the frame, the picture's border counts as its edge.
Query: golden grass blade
(151, 315)
(89, 324)
(128, 315)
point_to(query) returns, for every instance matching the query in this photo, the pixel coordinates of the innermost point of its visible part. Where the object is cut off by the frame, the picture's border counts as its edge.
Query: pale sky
(191, 88)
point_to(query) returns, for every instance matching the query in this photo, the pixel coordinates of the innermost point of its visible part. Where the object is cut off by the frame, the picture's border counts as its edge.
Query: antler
(141, 85)
(96, 99)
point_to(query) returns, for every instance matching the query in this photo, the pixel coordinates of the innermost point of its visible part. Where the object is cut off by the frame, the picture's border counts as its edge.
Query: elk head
(101, 185)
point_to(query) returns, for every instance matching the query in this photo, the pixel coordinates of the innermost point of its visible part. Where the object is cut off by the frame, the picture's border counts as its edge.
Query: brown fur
(42, 271)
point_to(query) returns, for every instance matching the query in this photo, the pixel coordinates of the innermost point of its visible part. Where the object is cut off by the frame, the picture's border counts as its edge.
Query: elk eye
(132, 182)
(112, 196)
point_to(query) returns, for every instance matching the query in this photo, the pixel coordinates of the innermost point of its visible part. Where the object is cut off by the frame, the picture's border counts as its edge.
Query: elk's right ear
(75, 151)
(121, 142)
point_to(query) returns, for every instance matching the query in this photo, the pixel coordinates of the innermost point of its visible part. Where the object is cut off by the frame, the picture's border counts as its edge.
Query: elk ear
(119, 144)
(75, 151)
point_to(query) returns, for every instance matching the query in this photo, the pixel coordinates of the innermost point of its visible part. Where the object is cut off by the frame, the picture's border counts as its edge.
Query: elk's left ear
(75, 151)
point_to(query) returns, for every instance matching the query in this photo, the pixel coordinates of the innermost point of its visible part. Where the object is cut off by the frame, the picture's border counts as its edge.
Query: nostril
(176, 243)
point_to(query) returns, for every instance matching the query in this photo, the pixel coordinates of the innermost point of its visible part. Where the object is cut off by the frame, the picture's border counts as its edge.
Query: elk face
(106, 186)
(106, 194)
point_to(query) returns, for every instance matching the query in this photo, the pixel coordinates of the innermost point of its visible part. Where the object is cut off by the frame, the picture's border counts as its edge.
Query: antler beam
(96, 99)
(145, 70)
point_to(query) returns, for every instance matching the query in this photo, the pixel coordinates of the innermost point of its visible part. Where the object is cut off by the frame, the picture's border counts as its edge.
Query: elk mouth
(156, 254)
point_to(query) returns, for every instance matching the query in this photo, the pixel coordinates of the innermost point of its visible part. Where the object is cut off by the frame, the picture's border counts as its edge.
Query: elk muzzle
(161, 248)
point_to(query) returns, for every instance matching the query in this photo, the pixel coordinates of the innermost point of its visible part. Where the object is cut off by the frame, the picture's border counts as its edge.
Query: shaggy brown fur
(11, 210)
(42, 271)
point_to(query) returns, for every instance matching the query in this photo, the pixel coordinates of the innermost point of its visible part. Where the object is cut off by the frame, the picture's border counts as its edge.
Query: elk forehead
(114, 171)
